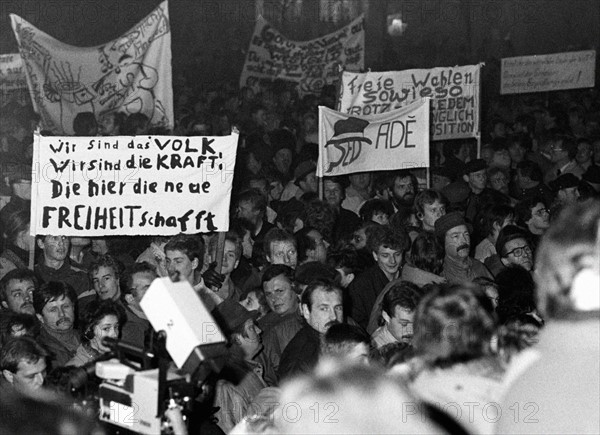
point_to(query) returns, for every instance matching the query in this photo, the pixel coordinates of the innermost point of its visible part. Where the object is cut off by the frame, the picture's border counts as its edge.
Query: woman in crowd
(101, 319)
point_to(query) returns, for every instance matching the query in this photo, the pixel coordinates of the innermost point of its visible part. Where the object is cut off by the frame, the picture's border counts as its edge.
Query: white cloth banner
(131, 74)
(12, 74)
(550, 72)
(454, 93)
(312, 64)
(131, 185)
(393, 140)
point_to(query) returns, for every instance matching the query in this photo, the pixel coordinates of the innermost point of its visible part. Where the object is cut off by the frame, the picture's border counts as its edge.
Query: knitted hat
(449, 221)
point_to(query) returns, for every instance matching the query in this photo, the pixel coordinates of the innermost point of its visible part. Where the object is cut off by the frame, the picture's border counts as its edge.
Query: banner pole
(31, 256)
(478, 137)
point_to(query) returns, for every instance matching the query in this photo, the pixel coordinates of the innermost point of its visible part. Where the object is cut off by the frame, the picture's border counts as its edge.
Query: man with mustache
(322, 306)
(16, 291)
(54, 304)
(455, 234)
(398, 308)
(55, 265)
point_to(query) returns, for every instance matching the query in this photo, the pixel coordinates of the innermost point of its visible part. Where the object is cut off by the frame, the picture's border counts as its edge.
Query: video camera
(190, 347)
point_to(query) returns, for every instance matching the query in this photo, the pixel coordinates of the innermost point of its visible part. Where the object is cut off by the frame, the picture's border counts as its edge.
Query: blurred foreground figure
(560, 391)
(41, 415)
(354, 399)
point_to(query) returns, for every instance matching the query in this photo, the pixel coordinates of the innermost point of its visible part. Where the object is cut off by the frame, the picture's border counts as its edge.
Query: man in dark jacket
(322, 307)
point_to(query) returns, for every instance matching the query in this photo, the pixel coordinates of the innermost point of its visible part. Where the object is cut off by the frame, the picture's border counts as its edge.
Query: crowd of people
(378, 302)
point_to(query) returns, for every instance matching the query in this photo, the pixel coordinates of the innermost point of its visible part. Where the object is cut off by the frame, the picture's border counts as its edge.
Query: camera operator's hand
(175, 419)
(212, 278)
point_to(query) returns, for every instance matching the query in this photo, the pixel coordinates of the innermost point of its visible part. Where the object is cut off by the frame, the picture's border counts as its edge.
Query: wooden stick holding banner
(31, 256)
(478, 135)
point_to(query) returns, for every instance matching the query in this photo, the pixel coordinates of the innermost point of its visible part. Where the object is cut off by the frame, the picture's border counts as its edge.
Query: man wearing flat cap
(241, 379)
(455, 234)
(566, 189)
(476, 177)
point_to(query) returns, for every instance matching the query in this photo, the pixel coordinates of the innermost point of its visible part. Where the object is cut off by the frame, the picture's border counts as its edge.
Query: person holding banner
(55, 266)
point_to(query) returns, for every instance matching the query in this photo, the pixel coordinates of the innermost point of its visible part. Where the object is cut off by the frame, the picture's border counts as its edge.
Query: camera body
(131, 403)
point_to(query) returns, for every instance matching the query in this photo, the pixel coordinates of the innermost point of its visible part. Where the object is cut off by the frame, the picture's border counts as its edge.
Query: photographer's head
(239, 325)
(138, 278)
(453, 323)
(23, 363)
(567, 262)
(54, 305)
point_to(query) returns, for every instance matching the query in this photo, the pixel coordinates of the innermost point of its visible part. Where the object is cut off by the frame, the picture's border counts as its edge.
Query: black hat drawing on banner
(346, 131)
(344, 128)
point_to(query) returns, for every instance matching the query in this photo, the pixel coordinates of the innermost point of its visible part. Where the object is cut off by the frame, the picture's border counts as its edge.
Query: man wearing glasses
(533, 215)
(513, 250)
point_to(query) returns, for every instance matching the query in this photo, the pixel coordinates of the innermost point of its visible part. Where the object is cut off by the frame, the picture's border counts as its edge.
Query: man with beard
(322, 306)
(54, 304)
(55, 266)
(402, 189)
(455, 234)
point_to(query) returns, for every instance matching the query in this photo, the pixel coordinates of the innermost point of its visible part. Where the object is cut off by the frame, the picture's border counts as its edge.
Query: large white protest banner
(312, 64)
(12, 74)
(454, 94)
(550, 72)
(131, 74)
(130, 185)
(392, 140)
